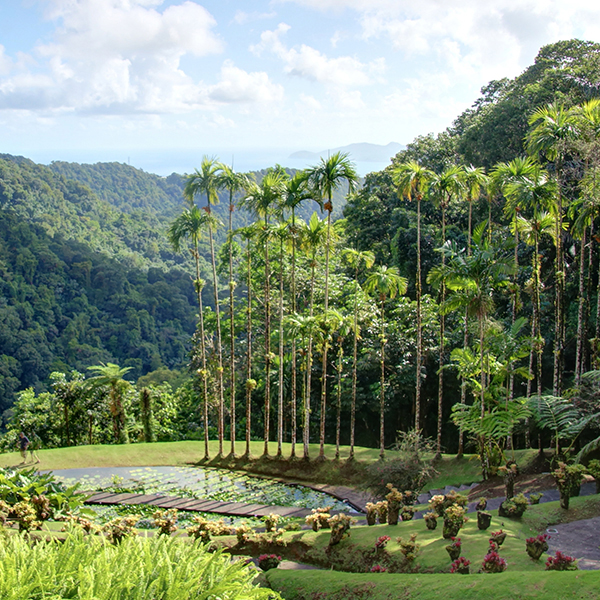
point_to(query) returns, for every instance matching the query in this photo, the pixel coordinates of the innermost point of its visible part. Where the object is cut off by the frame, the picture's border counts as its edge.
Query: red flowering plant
(453, 548)
(498, 537)
(381, 542)
(493, 563)
(536, 546)
(460, 565)
(378, 569)
(561, 562)
(268, 561)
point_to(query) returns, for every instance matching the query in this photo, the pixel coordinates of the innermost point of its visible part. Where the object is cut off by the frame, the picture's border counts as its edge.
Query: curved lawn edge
(334, 585)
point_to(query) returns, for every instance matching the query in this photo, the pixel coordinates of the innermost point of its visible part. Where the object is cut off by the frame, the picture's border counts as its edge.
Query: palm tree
(190, 225)
(443, 189)
(388, 284)
(111, 376)
(471, 281)
(249, 233)
(205, 181)
(475, 180)
(312, 237)
(262, 199)
(234, 183)
(356, 259)
(413, 180)
(296, 192)
(328, 176)
(553, 130)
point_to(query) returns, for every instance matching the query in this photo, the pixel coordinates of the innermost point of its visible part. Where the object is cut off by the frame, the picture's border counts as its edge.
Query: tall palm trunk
(231, 330)
(419, 321)
(280, 404)
(294, 369)
(559, 287)
(307, 390)
(249, 380)
(382, 390)
(221, 424)
(354, 367)
(442, 335)
(338, 422)
(267, 405)
(198, 284)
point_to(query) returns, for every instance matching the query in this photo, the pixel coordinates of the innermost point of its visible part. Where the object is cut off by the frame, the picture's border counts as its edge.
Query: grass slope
(321, 585)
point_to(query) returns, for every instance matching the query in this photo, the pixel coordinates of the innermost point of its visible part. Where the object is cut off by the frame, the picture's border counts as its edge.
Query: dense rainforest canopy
(463, 275)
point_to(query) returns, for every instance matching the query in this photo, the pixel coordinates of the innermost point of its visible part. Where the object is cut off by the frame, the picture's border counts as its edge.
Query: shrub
(514, 508)
(408, 512)
(568, 479)
(561, 562)
(454, 519)
(536, 546)
(271, 520)
(24, 514)
(454, 497)
(431, 520)
(454, 548)
(382, 511)
(481, 504)
(268, 561)
(120, 528)
(409, 548)
(460, 565)
(535, 498)
(493, 563)
(165, 521)
(318, 519)
(340, 528)
(201, 530)
(498, 537)
(409, 469)
(437, 504)
(243, 533)
(371, 513)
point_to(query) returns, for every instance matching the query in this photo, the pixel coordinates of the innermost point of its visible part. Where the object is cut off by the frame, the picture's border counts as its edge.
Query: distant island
(363, 152)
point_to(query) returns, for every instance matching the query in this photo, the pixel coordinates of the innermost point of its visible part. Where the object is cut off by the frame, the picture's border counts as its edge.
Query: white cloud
(5, 62)
(308, 63)
(116, 56)
(238, 86)
(241, 17)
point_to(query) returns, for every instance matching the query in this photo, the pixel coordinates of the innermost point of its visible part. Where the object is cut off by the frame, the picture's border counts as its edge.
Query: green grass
(452, 471)
(541, 516)
(328, 585)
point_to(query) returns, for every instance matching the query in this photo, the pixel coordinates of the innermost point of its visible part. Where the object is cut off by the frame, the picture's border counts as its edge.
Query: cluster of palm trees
(287, 267)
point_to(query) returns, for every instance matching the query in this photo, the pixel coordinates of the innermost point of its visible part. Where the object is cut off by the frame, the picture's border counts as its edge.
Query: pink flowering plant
(268, 561)
(378, 569)
(381, 542)
(498, 537)
(460, 565)
(454, 548)
(561, 562)
(493, 563)
(536, 546)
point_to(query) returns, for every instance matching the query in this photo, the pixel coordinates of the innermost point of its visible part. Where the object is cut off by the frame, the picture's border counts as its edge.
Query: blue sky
(155, 82)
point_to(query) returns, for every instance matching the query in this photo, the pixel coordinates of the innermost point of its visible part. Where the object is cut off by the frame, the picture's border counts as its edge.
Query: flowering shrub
(340, 528)
(493, 563)
(268, 561)
(382, 542)
(243, 533)
(410, 549)
(120, 528)
(514, 508)
(430, 520)
(498, 537)
(271, 521)
(454, 519)
(408, 512)
(166, 521)
(437, 504)
(568, 479)
(371, 513)
(535, 498)
(454, 548)
(454, 497)
(382, 511)
(460, 565)
(378, 569)
(536, 546)
(24, 513)
(561, 562)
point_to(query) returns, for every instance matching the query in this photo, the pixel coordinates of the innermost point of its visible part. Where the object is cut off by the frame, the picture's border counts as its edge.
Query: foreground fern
(90, 568)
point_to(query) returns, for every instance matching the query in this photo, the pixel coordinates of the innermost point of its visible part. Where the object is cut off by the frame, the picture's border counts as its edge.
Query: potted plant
(268, 561)
(431, 520)
(394, 504)
(454, 548)
(454, 519)
(460, 565)
(484, 520)
(536, 546)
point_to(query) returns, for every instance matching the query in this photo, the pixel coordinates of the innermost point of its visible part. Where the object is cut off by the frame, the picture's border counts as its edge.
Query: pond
(199, 482)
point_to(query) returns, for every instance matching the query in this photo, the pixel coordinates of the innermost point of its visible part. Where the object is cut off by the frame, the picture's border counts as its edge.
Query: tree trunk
(354, 369)
(419, 325)
(231, 331)
(267, 405)
(382, 391)
(280, 404)
(580, 312)
(442, 334)
(294, 373)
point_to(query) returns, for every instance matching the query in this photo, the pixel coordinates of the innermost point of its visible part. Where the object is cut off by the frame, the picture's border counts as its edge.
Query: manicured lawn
(330, 585)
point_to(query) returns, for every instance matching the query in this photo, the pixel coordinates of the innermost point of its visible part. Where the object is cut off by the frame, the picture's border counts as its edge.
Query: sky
(159, 84)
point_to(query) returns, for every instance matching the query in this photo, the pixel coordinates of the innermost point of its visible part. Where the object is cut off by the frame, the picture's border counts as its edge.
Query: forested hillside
(461, 284)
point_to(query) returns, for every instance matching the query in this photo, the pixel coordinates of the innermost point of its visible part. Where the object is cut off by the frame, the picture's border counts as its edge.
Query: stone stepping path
(230, 509)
